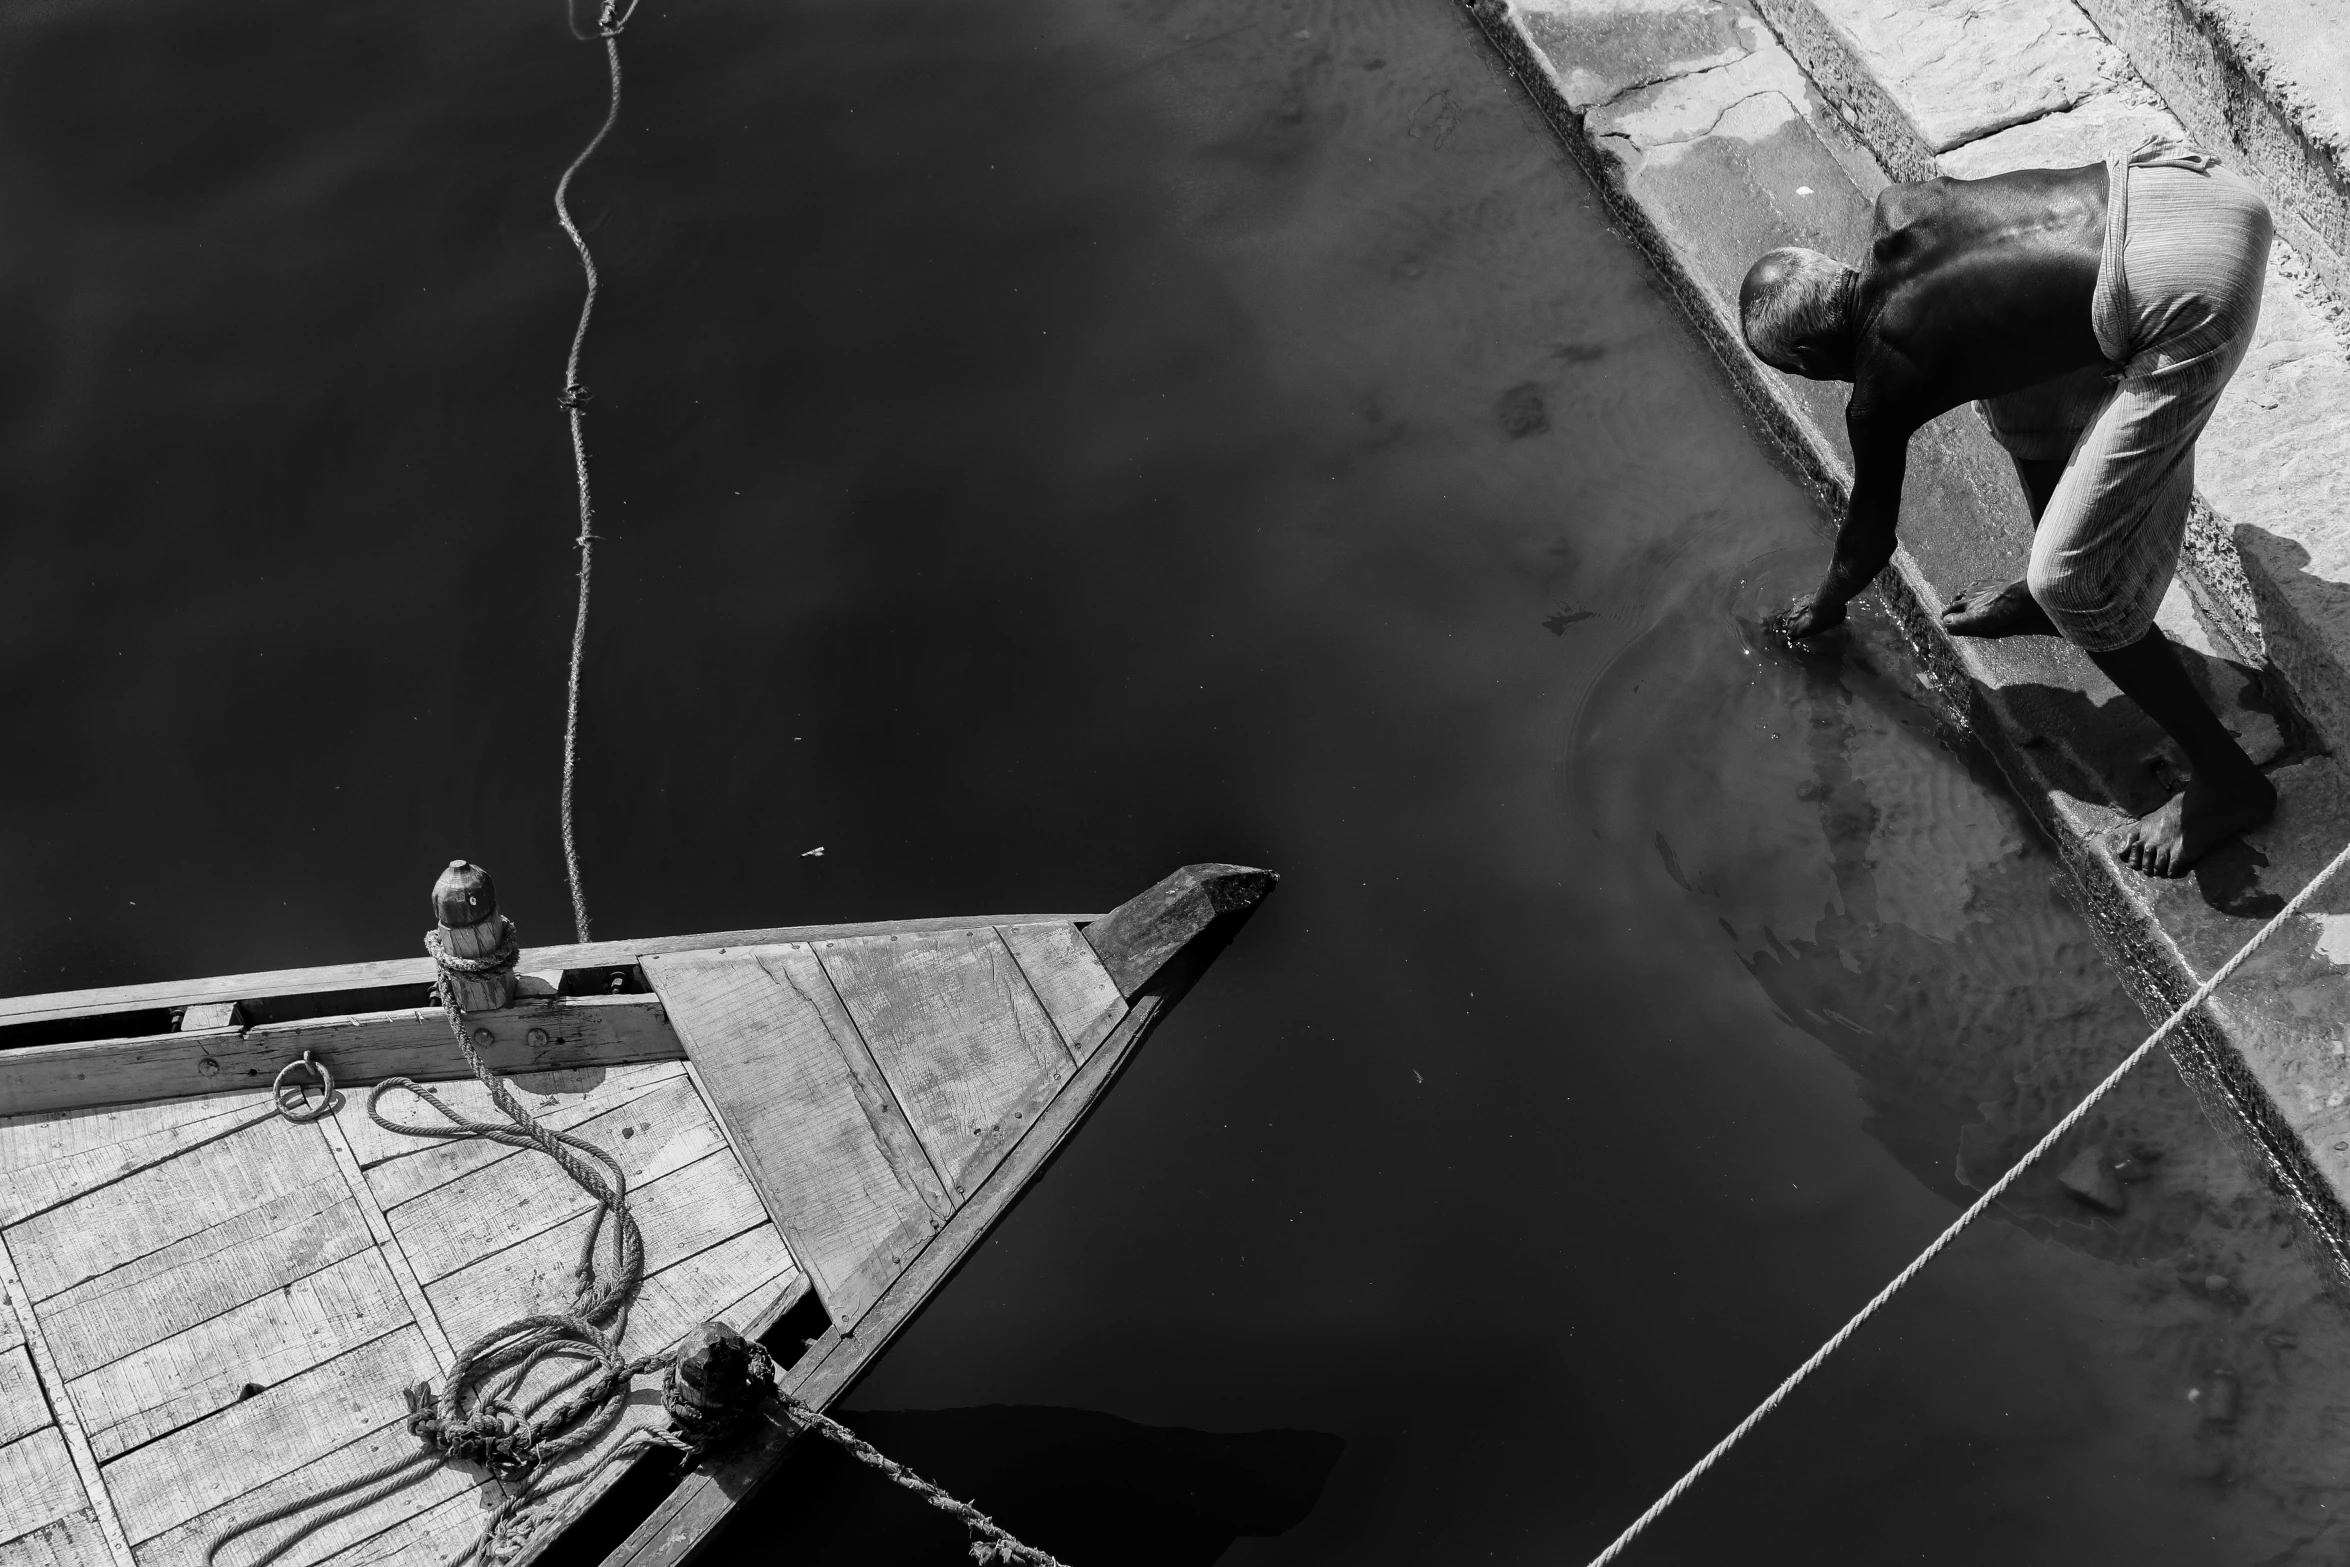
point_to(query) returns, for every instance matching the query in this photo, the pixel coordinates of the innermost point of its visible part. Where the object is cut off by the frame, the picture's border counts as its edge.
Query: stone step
(2270, 78)
(1713, 145)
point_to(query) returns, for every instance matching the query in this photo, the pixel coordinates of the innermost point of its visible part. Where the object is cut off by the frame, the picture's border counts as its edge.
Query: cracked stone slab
(1965, 69)
(1598, 50)
(2119, 119)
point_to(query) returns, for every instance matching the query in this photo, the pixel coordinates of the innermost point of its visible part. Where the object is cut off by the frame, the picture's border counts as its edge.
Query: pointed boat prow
(209, 1307)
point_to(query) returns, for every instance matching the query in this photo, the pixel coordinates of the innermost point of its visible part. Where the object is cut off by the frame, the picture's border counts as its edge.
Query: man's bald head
(1795, 311)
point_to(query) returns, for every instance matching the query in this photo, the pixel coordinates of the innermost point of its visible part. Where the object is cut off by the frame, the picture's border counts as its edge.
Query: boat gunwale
(55, 1006)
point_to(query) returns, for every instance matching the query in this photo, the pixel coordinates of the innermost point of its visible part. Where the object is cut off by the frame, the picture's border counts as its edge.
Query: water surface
(1040, 445)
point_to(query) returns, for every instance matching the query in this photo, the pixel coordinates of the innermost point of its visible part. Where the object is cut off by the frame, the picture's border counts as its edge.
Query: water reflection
(1087, 1487)
(1914, 923)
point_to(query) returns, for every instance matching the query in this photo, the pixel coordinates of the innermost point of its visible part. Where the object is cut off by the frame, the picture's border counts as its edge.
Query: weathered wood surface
(167, 1202)
(216, 1269)
(1166, 936)
(269, 1339)
(488, 1209)
(419, 970)
(233, 1304)
(960, 1036)
(710, 1252)
(35, 1492)
(182, 1545)
(837, 1163)
(362, 1049)
(1070, 980)
(46, 1159)
(23, 1410)
(38, 1483)
(72, 1541)
(1138, 937)
(683, 1522)
(400, 1166)
(224, 1365)
(469, 926)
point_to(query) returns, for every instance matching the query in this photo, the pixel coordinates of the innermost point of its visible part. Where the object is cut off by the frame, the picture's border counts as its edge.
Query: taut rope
(610, 21)
(1982, 1205)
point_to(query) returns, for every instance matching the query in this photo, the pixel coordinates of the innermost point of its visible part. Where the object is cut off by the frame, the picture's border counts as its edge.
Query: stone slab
(1960, 70)
(2270, 78)
(1609, 47)
(1711, 167)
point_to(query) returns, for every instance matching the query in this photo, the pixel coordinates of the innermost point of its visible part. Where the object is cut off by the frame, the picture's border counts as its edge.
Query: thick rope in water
(610, 22)
(989, 1542)
(1981, 1206)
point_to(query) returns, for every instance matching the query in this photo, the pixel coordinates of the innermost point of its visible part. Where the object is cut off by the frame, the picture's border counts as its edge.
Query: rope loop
(498, 960)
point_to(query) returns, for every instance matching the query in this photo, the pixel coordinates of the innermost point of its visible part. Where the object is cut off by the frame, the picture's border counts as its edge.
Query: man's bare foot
(1985, 611)
(2193, 822)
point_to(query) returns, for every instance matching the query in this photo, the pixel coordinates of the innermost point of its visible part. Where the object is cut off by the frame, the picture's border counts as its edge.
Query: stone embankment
(1722, 128)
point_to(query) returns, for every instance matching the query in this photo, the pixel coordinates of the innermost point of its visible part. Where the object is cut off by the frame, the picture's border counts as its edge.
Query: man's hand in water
(1808, 618)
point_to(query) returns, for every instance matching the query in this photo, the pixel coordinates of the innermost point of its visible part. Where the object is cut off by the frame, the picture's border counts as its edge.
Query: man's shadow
(1086, 1487)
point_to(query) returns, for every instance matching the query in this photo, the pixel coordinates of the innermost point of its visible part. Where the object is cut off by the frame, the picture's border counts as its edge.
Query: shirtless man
(2094, 314)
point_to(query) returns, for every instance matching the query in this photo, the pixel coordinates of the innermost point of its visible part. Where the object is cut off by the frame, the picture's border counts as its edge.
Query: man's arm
(1865, 543)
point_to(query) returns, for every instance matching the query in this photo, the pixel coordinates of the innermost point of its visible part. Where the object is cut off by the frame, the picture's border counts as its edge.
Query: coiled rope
(1981, 1205)
(610, 22)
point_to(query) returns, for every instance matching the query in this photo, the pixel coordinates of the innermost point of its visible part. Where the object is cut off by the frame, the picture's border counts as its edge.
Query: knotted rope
(610, 21)
(1981, 1206)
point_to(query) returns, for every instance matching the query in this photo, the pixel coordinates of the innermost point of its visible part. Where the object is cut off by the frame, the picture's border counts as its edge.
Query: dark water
(1042, 444)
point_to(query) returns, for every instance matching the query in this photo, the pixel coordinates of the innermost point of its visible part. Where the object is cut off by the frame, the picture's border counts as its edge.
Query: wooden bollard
(465, 904)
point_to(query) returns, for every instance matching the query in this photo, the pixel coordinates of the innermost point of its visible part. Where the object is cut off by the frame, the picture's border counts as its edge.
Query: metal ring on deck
(297, 1110)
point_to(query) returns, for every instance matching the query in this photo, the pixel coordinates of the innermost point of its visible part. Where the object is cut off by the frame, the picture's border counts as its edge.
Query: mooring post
(465, 903)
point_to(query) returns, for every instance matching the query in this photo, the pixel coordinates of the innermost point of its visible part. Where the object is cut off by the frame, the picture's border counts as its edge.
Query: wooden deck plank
(442, 1487)
(72, 1541)
(361, 1049)
(419, 970)
(259, 1344)
(18, 1304)
(386, 1243)
(24, 1408)
(493, 1207)
(558, 1099)
(423, 1539)
(836, 1161)
(681, 1213)
(248, 1444)
(38, 1483)
(46, 1159)
(168, 1202)
(962, 1039)
(217, 1269)
(1076, 990)
(684, 1521)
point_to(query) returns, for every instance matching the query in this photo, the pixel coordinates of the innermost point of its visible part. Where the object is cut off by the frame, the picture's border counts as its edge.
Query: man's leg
(2009, 610)
(2226, 794)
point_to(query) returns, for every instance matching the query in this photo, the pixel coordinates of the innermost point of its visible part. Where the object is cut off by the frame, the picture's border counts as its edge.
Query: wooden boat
(212, 1309)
